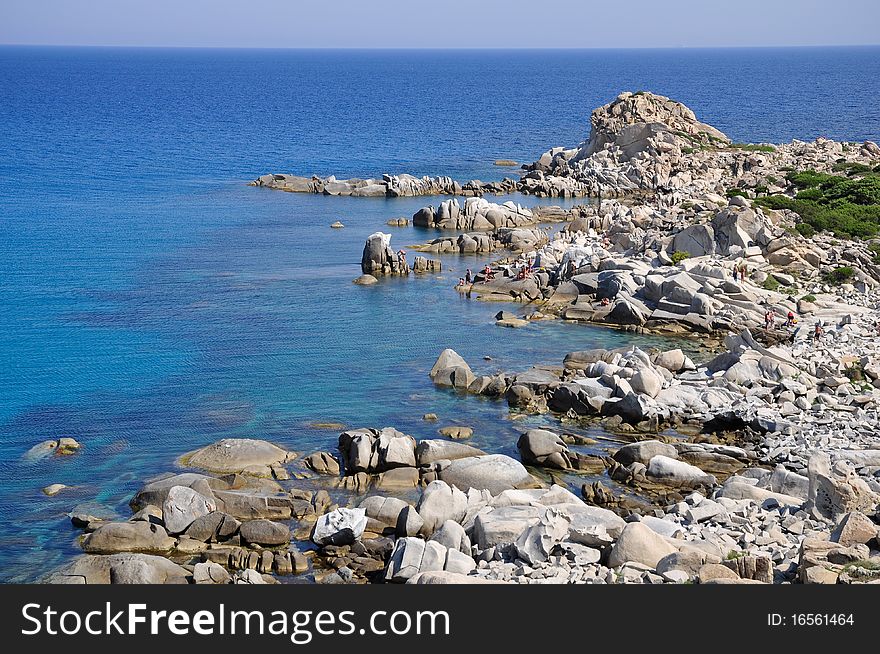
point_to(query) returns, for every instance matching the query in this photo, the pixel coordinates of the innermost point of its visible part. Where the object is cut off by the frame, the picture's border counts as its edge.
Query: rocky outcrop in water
(388, 186)
(643, 144)
(477, 214)
(379, 259)
(513, 239)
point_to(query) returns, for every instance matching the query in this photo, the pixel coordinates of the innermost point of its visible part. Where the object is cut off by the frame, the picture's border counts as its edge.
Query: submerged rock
(242, 455)
(365, 280)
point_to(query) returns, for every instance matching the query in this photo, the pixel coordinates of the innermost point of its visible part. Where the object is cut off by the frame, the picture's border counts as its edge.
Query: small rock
(210, 573)
(365, 280)
(456, 432)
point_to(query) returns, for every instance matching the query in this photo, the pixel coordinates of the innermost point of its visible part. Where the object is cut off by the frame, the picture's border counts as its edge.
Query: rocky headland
(760, 464)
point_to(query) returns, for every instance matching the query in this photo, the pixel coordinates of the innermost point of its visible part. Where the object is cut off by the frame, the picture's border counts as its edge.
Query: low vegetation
(753, 147)
(840, 275)
(678, 257)
(844, 205)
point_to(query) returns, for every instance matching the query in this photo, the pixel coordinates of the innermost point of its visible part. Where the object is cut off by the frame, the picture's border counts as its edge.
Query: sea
(152, 302)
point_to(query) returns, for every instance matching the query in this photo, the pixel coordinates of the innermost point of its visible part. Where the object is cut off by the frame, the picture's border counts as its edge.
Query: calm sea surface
(151, 302)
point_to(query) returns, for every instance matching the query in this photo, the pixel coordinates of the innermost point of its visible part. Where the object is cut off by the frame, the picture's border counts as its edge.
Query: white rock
(340, 527)
(182, 506)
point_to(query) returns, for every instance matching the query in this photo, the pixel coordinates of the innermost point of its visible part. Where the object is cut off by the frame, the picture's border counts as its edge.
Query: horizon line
(434, 49)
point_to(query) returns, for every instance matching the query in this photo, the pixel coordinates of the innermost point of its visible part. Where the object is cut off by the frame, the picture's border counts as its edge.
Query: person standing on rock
(768, 319)
(467, 276)
(817, 332)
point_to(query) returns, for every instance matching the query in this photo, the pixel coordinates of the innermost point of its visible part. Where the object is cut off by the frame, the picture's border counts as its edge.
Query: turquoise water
(152, 302)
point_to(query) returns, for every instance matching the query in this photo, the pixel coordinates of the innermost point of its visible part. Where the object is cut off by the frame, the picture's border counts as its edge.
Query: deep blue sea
(151, 302)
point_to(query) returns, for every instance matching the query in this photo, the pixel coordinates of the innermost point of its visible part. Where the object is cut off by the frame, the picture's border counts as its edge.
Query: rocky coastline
(758, 465)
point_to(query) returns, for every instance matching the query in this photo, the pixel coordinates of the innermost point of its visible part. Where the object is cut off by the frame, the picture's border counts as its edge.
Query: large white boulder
(183, 506)
(639, 543)
(440, 502)
(493, 472)
(340, 527)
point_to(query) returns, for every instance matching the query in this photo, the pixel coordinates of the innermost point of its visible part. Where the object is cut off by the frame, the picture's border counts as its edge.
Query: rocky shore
(760, 464)
(775, 484)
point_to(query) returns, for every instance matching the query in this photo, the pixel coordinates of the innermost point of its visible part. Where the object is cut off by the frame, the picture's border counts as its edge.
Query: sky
(440, 23)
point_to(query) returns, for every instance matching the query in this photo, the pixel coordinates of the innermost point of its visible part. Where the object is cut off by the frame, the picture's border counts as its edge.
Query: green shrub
(753, 147)
(809, 298)
(847, 207)
(771, 283)
(866, 564)
(840, 275)
(731, 192)
(809, 194)
(687, 150)
(678, 257)
(771, 179)
(805, 229)
(851, 168)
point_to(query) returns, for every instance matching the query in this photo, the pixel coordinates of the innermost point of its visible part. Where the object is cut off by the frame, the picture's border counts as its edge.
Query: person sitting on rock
(461, 281)
(790, 321)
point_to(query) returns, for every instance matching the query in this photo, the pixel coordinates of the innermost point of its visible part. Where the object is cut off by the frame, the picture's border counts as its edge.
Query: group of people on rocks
(791, 321)
(740, 272)
(525, 271)
(770, 319)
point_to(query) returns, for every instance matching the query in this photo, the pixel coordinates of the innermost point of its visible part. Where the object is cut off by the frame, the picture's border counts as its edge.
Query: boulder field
(757, 465)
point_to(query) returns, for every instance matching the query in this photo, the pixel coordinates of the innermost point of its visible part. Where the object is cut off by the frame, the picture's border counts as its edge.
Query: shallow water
(152, 302)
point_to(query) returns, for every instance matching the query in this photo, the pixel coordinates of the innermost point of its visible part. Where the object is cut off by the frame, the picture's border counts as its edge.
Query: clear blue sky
(440, 23)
